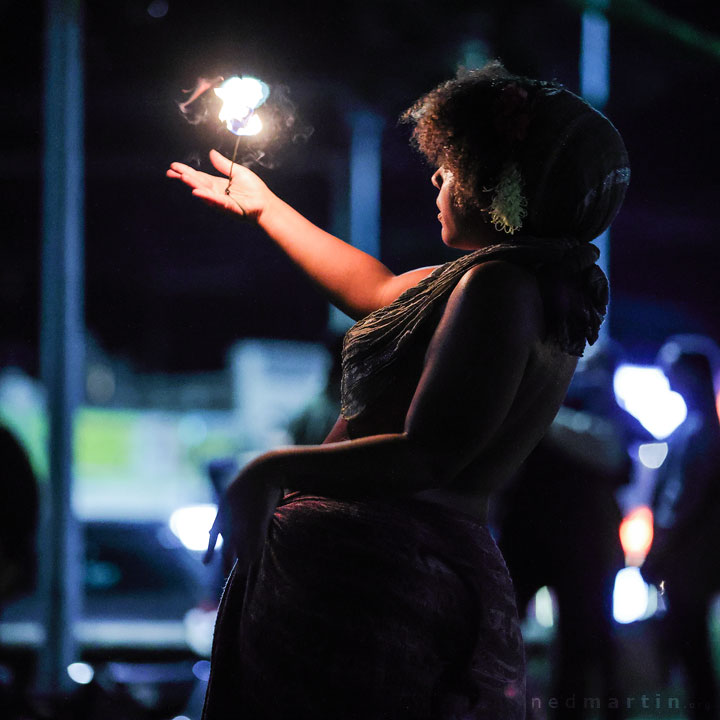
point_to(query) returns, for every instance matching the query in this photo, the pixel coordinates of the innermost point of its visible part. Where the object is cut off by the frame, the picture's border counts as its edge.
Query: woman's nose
(437, 179)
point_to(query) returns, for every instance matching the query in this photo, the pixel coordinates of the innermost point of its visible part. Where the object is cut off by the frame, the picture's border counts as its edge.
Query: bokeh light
(645, 393)
(191, 525)
(631, 596)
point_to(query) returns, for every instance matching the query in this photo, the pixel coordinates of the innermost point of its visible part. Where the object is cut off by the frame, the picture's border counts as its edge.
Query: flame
(241, 96)
(252, 127)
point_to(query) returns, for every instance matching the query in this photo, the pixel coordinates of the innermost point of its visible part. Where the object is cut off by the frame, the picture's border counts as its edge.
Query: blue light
(365, 175)
(645, 393)
(201, 670)
(595, 58)
(158, 9)
(81, 673)
(652, 455)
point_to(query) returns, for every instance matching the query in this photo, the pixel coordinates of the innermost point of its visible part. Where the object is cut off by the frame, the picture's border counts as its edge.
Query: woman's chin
(457, 243)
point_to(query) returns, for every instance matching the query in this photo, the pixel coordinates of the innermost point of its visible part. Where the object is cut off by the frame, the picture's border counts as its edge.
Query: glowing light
(631, 596)
(199, 626)
(544, 613)
(636, 532)
(241, 96)
(253, 127)
(81, 673)
(191, 525)
(645, 393)
(201, 670)
(652, 455)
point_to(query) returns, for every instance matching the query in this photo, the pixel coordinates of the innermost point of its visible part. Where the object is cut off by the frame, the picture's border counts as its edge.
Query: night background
(181, 302)
(170, 285)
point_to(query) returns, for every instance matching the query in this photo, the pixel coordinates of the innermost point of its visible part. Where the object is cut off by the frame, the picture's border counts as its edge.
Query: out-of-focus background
(150, 346)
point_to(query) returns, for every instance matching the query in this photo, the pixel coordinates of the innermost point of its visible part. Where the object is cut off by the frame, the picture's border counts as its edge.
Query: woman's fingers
(211, 189)
(220, 162)
(180, 169)
(190, 176)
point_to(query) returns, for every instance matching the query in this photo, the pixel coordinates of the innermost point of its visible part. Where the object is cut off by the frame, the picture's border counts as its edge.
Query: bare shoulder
(398, 284)
(504, 293)
(499, 275)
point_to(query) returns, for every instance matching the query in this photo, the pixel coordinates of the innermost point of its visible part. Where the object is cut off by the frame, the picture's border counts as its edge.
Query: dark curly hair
(458, 125)
(572, 160)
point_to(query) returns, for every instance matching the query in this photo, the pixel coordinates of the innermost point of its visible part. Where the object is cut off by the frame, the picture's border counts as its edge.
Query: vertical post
(595, 54)
(365, 174)
(364, 187)
(595, 88)
(61, 342)
(338, 321)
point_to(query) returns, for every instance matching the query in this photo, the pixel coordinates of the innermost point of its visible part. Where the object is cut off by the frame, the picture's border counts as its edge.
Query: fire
(241, 97)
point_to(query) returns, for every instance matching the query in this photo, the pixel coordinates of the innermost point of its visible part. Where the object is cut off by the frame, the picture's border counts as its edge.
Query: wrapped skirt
(369, 610)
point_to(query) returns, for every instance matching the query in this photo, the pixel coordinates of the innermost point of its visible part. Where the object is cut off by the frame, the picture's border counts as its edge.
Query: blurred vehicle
(146, 626)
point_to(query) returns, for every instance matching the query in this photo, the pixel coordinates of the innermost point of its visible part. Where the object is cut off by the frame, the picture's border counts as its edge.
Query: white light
(645, 393)
(241, 96)
(252, 127)
(544, 608)
(191, 525)
(81, 673)
(199, 625)
(652, 455)
(630, 596)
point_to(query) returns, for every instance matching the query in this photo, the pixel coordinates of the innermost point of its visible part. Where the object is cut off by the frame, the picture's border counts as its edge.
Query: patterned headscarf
(574, 166)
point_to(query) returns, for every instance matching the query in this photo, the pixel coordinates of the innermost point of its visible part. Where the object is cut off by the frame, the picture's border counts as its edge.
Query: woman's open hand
(246, 196)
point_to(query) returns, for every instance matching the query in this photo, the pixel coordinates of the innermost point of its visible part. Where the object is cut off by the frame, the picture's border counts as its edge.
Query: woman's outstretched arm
(354, 281)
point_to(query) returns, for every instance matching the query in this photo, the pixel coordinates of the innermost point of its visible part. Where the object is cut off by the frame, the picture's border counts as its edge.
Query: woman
(375, 590)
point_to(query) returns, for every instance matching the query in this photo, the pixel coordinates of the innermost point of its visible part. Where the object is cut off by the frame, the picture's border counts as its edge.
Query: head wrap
(574, 166)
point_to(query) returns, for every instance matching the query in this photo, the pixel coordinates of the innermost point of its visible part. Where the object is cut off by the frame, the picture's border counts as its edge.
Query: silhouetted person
(18, 519)
(18, 527)
(375, 589)
(559, 529)
(687, 520)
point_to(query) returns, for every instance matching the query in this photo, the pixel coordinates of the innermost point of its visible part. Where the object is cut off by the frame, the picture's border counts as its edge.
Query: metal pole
(364, 190)
(365, 176)
(61, 342)
(595, 88)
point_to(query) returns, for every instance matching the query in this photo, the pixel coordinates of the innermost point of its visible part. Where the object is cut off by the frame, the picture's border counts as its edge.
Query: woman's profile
(373, 589)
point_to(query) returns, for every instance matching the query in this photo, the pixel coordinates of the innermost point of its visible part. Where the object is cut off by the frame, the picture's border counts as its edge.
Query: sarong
(395, 609)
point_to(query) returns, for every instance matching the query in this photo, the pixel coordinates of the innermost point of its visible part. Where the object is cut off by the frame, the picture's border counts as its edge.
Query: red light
(636, 533)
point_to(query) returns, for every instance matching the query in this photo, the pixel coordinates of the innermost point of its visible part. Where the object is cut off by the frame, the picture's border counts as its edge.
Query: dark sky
(170, 284)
